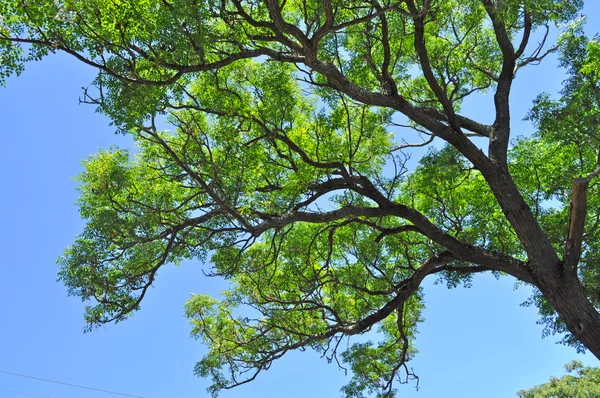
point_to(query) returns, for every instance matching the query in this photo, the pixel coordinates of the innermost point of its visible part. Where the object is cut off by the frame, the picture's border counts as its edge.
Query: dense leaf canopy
(272, 137)
(585, 383)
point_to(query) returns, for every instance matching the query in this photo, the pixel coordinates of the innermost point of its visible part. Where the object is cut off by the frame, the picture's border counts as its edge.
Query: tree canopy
(584, 384)
(272, 138)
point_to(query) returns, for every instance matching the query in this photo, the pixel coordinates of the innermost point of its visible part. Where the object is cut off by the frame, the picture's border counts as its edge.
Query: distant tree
(290, 123)
(584, 384)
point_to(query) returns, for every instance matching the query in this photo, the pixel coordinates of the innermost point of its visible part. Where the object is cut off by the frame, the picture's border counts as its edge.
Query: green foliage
(447, 189)
(156, 42)
(281, 164)
(583, 382)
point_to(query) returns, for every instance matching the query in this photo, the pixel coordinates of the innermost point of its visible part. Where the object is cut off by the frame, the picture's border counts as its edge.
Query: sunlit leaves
(263, 140)
(582, 382)
(306, 286)
(134, 217)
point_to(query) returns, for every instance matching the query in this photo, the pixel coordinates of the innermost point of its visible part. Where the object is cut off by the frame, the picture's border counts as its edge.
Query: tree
(586, 384)
(285, 163)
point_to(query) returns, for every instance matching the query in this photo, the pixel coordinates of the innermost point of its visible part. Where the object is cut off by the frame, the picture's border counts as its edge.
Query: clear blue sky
(475, 342)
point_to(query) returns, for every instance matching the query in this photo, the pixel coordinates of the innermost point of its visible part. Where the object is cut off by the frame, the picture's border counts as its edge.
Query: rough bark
(568, 298)
(576, 225)
(558, 284)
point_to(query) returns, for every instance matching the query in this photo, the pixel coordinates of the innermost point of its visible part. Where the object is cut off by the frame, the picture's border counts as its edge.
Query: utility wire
(24, 393)
(69, 384)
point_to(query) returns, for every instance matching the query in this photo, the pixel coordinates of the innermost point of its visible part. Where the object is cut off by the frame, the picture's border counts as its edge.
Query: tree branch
(501, 133)
(577, 216)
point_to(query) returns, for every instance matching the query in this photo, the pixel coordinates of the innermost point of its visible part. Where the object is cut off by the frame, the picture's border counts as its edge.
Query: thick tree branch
(420, 116)
(480, 129)
(577, 216)
(421, 48)
(461, 251)
(527, 25)
(297, 340)
(178, 70)
(501, 133)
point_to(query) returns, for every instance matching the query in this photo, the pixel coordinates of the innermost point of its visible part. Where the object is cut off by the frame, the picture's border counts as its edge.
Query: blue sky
(475, 342)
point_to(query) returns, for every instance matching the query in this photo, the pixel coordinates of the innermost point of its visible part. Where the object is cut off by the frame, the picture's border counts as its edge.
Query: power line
(24, 393)
(70, 385)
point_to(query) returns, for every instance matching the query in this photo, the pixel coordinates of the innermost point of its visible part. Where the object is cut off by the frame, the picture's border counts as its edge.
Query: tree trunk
(572, 305)
(519, 215)
(559, 286)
